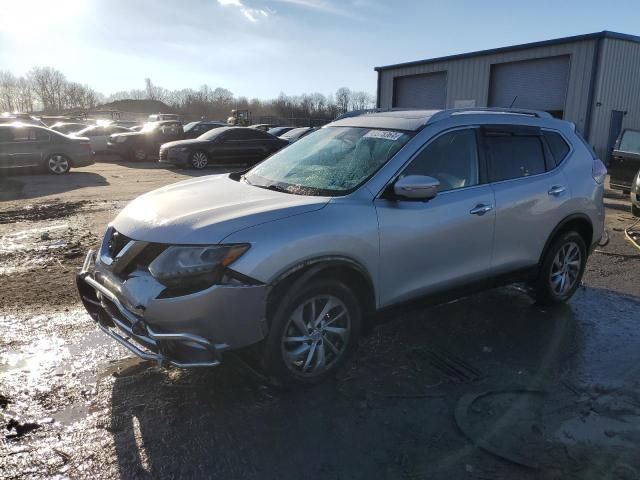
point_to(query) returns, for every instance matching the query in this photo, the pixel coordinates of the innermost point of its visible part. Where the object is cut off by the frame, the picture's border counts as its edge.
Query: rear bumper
(189, 331)
(83, 160)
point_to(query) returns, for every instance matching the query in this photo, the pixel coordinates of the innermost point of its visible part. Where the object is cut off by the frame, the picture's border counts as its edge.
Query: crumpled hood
(206, 210)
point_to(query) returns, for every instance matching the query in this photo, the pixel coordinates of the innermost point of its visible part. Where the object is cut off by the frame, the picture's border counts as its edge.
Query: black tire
(635, 211)
(57, 164)
(560, 261)
(199, 160)
(138, 155)
(282, 326)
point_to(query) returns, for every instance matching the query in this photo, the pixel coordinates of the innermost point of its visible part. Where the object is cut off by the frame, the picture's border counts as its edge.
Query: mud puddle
(46, 211)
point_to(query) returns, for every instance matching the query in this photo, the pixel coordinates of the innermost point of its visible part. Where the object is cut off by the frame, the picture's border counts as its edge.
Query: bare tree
(343, 99)
(8, 89)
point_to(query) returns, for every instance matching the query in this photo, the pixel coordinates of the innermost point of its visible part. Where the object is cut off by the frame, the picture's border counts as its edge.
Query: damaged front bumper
(178, 331)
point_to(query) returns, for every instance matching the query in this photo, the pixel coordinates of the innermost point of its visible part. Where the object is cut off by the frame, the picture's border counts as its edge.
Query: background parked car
(68, 128)
(21, 118)
(195, 129)
(24, 146)
(625, 160)
(264, 126)
(99, 135)
(145, 144)
(297, 133)
(222, 146)
(278, 131)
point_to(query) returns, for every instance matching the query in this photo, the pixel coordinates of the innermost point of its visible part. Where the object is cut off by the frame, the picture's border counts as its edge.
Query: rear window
(512, 156)
(557, 145)
(630, 141)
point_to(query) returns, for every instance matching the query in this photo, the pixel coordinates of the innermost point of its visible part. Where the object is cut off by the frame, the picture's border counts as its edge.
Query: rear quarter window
(557, 145)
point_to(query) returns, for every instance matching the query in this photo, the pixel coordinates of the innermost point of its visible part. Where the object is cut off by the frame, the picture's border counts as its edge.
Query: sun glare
(38, 17)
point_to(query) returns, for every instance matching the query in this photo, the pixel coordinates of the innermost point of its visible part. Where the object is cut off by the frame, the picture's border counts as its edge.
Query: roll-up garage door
(539, 84)
(421, 91)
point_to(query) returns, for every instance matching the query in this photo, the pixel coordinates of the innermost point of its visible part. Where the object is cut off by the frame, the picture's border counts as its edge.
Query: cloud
(345, 9)
(251, 14)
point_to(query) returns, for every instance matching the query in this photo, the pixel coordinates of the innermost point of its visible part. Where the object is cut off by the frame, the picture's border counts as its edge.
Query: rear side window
(557, 145)
(24, 135)
(630, 141)
(514, 156)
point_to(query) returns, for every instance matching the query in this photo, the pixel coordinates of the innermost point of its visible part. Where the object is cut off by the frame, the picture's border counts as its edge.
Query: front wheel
(635, 211)
(199, 160)
(562, 269)
(58, 164)
(312, 332)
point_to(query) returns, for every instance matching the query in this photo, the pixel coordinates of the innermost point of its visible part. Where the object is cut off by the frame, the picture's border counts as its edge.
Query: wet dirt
(389, 414)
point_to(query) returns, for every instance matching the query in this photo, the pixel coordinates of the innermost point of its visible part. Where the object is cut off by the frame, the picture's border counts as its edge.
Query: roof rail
(470, 110)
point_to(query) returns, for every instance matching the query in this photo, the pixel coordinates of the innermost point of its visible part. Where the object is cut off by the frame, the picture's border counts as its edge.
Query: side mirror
(416, 187)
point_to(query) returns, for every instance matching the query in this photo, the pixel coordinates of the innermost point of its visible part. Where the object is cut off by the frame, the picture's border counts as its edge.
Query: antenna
(514, 101)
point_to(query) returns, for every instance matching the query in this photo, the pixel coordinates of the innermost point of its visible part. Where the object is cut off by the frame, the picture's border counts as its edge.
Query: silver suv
(295, 255)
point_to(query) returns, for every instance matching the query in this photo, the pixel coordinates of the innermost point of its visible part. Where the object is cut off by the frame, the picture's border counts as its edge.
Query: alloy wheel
(565, 268)
(140, 154)
(199, 160)
(58, 164)
(316, 335)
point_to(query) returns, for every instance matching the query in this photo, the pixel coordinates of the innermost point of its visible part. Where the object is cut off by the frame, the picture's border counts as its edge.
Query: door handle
(480, 209)
(556, 190)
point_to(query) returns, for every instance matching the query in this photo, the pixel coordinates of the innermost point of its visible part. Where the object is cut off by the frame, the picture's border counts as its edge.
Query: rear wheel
(562, 269)
(199, 160)
(58, 164)
(139, 155)
(312, 332)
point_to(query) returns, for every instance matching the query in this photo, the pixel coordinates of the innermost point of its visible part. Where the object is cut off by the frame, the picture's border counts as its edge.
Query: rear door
(625, 160)
(531, 192)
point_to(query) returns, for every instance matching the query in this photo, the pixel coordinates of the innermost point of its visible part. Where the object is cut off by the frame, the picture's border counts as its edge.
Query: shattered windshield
(332, 161)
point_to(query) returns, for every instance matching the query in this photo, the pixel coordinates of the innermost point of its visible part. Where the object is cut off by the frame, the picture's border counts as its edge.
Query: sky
(259, 48)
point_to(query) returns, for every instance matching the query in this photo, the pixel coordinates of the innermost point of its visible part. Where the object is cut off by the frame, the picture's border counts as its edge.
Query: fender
(560, 226)
(316, 265)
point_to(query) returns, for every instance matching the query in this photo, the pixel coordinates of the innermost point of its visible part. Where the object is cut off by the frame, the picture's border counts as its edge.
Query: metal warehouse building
(591, 80)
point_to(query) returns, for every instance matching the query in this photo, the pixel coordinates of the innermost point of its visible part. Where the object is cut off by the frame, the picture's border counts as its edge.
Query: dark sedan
(279, 131)
(27, 146)
(142, 145)
(222, 146)
(195, 129)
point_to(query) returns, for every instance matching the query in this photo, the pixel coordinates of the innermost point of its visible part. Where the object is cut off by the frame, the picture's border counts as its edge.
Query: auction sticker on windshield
(385, 134)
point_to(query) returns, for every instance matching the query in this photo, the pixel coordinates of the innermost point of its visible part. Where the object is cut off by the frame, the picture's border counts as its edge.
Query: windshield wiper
(275, 188)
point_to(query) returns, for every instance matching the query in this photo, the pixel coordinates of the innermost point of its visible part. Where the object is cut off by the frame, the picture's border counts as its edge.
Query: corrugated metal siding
(468, 78)
(618, 88)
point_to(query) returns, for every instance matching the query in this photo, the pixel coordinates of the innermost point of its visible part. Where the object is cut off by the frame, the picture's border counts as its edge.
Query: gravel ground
(490, 386)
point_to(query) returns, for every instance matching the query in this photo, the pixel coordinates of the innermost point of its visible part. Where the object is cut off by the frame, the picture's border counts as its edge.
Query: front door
(446, 242)
(27, 147)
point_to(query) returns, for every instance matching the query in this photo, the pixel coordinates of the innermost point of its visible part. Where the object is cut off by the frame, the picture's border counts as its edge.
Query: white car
(98, 135)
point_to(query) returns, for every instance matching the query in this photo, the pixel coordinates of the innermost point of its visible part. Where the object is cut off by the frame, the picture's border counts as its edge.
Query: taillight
(598, 170)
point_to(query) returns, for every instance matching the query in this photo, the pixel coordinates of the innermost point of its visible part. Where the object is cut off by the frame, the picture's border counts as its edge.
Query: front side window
(514, 156)
(332, 161)
(630, 142)
(451, 158)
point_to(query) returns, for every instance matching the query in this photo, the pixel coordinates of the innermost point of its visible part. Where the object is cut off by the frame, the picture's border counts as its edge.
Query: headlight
(182, 149)
(203, 264)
